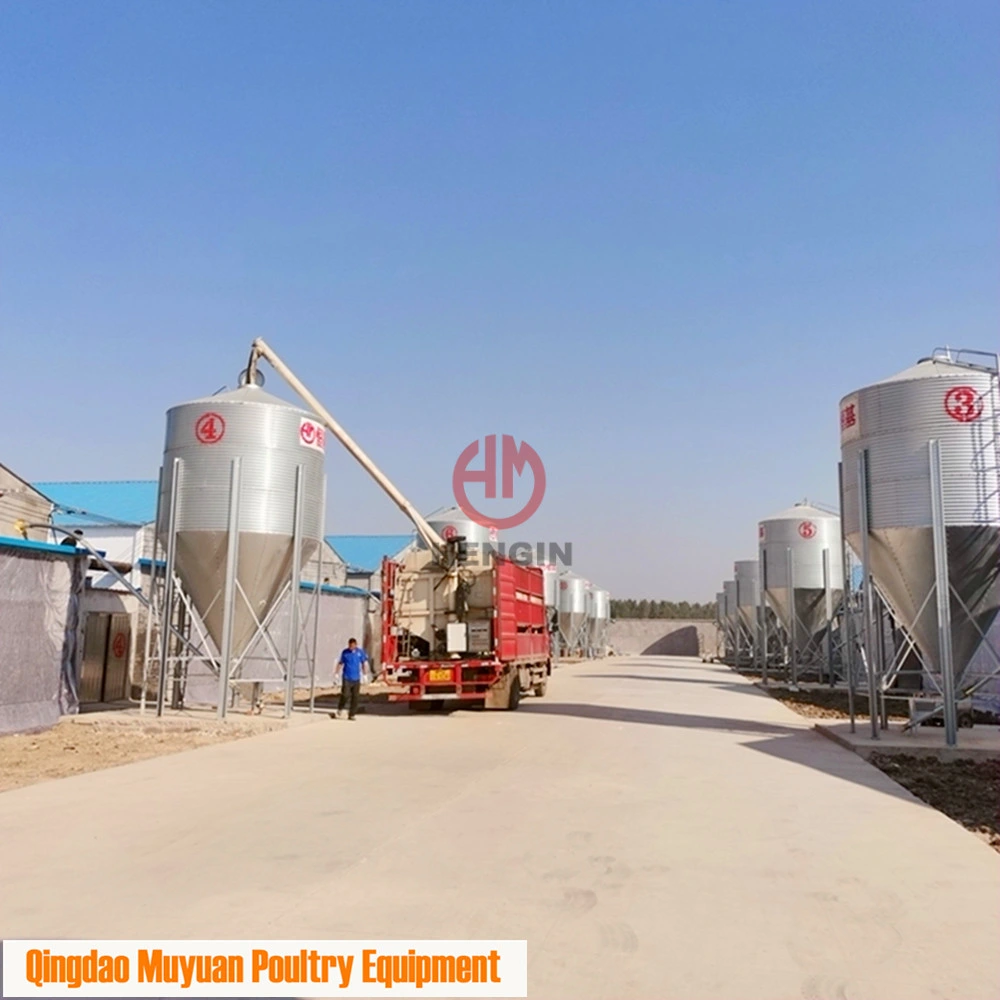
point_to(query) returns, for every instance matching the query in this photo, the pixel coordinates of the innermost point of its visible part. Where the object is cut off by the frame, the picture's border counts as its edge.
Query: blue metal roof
(56, 550)
(364, 553)
(123, 502)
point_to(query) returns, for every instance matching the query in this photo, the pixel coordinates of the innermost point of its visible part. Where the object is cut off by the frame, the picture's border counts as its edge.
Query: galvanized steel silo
(572, 609)
(453, 522)
(600, 618)
(550, 577)
(792, 546)
(272, 441)
(602, 605)
(747, 578)
(943, 413)
(729, 598)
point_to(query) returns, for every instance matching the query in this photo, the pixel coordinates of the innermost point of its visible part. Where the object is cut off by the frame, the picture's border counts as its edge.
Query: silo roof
(799, 510)
(247, 394)
(927, 368)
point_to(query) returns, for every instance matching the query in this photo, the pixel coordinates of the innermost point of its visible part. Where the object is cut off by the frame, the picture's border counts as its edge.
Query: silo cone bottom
(264, 567)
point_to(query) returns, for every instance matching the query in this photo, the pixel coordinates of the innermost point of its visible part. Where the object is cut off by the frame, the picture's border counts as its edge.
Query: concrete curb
(865, 747)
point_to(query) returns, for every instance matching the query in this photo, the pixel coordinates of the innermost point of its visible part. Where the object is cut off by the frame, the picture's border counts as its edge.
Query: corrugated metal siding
(806, 534)
(572, 595)
(266, 437)
(896, 420)
(21, 502)
(747, 575)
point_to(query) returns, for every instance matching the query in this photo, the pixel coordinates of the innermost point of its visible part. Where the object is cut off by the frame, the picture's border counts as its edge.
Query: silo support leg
(942, 588)
(229, 594)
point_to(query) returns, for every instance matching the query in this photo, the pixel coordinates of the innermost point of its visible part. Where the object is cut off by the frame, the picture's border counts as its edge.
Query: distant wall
(662, 637)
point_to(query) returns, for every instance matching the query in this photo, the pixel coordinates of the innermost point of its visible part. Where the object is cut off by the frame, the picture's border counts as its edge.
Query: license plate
(439, 676)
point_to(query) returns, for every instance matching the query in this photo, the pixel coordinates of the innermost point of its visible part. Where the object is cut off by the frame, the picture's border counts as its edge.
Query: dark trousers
(349, 690)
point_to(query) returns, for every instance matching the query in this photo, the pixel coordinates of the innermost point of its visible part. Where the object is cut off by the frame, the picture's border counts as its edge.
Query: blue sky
(658, 241)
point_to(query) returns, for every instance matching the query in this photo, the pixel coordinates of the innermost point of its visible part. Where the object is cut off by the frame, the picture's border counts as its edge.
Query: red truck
(489, 649)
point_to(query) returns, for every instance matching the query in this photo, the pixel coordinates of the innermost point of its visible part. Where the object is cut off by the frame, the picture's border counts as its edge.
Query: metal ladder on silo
(964, 685)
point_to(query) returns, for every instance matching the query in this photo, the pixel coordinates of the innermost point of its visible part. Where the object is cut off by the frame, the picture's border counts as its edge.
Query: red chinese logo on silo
(807, 529)
(848, 416)
(311, 434)
(963, 403)
(209, 428)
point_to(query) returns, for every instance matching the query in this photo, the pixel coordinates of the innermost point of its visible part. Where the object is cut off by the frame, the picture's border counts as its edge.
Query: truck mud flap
(498, 696)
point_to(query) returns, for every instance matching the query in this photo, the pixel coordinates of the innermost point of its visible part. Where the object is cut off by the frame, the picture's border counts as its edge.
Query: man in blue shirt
(351, 663)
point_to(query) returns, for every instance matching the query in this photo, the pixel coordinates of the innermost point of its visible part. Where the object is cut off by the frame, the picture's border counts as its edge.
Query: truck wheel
(540, 688)
(515, 694)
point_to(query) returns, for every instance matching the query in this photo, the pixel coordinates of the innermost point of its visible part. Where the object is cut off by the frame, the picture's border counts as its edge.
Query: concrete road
(655, 829)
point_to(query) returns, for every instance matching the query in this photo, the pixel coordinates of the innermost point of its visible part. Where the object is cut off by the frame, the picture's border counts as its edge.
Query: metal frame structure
(728, 623)
(745, 637)
(883, 667)
(180, 637)
(781, 647)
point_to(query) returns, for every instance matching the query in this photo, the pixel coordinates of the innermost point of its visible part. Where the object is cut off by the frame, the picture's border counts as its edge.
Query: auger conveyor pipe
(260, 349)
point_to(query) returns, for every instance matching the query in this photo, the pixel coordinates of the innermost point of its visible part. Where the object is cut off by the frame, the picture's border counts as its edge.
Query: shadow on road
(823, 755)
(656, 662)
(795, 744)
(672, 680)
(650, 717)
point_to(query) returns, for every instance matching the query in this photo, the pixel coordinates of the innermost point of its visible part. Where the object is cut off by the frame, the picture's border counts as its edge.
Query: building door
(106, 645)
(116, 658)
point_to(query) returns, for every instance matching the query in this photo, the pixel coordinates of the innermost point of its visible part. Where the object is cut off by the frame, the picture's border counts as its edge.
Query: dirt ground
(824, 703)
(92, 741)
(966, 790)
(73, 747)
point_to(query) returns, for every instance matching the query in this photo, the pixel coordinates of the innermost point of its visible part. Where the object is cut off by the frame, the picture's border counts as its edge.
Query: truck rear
(471, 634)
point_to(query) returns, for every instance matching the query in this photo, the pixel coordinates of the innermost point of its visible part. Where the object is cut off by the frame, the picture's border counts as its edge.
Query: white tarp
(40, 595)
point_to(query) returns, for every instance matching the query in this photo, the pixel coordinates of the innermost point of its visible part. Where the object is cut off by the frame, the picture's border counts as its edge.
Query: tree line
(629, 608)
